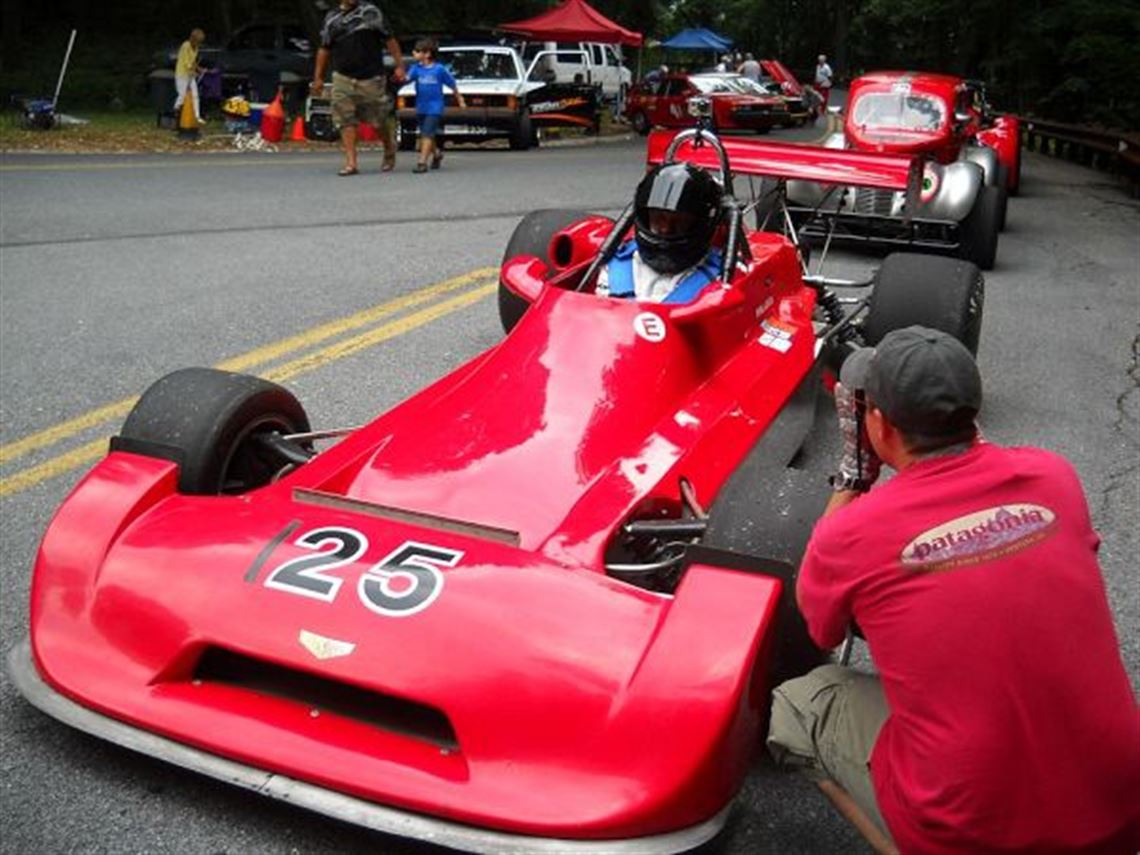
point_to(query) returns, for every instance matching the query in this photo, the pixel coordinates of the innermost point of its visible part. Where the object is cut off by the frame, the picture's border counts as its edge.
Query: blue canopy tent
(698, 38)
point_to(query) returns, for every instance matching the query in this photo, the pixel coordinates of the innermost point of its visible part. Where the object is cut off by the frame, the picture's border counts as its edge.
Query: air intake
(385, 712)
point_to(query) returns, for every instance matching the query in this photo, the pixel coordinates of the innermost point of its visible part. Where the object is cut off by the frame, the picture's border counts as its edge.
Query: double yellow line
(303, 347)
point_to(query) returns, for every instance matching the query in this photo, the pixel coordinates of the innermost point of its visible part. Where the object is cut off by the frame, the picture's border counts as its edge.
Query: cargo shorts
(825, 723)
(355, 101)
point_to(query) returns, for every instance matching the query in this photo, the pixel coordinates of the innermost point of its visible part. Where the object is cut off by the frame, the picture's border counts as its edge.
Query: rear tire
(640, 123)
(946, 294)
(531, 237)
(208, 420)
(1003, 197)
(978, 231)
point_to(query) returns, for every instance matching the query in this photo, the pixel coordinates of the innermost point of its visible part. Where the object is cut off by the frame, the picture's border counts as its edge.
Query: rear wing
(798, 162)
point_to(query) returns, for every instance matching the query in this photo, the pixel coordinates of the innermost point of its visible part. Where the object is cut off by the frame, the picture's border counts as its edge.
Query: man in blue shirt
(677, 209)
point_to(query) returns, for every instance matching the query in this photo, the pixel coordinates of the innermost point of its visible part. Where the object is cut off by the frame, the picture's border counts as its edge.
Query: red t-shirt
(1013, 725)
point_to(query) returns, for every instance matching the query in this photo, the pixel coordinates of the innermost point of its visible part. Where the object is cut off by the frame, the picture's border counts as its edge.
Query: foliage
(1074, 60)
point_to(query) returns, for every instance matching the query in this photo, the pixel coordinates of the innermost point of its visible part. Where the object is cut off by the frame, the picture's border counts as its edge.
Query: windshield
(477, 64)
(898, 110)
(707, 85)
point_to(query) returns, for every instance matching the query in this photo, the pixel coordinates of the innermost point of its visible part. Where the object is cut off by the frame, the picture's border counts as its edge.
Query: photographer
(1001, 718)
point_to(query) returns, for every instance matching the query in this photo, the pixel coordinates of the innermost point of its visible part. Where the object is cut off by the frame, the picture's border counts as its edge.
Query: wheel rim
(245, 467)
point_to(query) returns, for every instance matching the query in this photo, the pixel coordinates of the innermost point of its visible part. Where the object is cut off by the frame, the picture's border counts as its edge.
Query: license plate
(465, 130)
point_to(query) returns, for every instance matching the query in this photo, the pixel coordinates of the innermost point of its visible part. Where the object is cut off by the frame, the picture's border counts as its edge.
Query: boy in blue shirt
(430, 77)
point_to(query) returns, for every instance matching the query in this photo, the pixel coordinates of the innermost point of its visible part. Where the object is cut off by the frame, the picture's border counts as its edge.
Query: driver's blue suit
(620, 275)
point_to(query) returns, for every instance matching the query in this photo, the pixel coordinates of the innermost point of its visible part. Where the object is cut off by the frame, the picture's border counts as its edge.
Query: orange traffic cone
(187, 120)
(298, 132)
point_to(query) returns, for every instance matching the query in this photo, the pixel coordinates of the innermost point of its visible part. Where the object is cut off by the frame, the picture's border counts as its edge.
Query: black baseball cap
(925, 381)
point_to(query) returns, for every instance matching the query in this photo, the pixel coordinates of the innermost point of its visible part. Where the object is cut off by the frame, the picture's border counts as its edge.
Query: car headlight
(931, 181)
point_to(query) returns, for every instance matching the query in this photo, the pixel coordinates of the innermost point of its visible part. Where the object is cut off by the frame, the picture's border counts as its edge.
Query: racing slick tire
(946, 294)
(1002, 184)
(766, 510)
(531, 237)
(207, 421)
(521, 133)
(978, 231)
(640, 123)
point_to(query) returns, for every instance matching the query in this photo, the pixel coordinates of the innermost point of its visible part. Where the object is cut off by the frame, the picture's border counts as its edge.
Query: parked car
(585, 62)
(257, 59)
(536, 607)
(970, 160)
(801, 109)
(664, 102)
(505, 99)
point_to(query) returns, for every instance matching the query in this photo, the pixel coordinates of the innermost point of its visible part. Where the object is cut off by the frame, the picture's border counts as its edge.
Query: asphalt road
(116, 270)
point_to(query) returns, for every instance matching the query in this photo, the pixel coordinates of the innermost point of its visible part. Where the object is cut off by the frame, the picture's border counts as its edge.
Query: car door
(673, 105)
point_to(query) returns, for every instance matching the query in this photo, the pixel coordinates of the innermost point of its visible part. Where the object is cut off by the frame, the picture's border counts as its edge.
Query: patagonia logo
(982, 536)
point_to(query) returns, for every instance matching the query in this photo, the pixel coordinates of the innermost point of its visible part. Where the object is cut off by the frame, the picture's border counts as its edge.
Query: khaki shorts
(355, 101)
(826, 723)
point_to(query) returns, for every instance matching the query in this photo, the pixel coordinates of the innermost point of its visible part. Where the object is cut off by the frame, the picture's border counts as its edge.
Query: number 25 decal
(407, 580)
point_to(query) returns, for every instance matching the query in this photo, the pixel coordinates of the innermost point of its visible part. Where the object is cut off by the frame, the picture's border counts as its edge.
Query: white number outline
(313, 567)
(420, 567)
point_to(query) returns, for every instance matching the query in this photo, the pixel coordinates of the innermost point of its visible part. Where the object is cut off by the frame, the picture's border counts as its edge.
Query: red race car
(972, 162)
(539, 604)
(664, 102)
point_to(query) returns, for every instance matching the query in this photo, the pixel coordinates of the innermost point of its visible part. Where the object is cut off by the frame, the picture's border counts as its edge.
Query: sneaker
(420, 167)
(436, 159)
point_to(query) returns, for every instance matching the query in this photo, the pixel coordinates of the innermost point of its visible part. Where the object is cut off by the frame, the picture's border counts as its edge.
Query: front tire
(532, 236)
(978, 231)
(208, 421)
(522, 133)
(640, 123)
(945, 294)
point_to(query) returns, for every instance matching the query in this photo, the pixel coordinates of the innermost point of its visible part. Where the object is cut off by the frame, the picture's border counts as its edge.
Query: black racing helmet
(676, 210)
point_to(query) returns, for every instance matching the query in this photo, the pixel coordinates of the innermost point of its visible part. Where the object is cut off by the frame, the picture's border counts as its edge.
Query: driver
(677, 209)
(1001, 719)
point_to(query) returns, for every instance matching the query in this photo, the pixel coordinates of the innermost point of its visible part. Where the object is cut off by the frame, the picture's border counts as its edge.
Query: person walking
(353, 39)
(186, 71)
(823, 80)
(1002, 718)
(430, 78)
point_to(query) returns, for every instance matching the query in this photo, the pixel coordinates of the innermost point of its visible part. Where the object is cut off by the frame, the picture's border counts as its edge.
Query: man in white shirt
(823, 75)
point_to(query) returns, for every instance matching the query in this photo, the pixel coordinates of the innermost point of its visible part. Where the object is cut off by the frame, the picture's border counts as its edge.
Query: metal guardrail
(1112, 151)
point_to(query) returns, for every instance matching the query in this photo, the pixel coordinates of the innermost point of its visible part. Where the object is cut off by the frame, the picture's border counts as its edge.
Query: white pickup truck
(504, 98)
(585, 62)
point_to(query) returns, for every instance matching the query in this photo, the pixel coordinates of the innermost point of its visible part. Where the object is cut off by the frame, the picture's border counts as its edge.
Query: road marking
(92, 451)
(259, 356)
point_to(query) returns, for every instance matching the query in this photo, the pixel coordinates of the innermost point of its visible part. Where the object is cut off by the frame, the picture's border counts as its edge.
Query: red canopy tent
(573, 21)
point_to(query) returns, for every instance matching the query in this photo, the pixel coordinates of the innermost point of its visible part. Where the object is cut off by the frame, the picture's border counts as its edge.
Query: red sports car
(664, 102)
(539, 604)
(971, 162)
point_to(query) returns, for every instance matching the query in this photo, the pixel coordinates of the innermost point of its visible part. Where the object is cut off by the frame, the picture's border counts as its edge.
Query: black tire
(640, 123)
(531, 237)
(521, 133)
(406, 137)
(978, 231)
(767, 509)
(946, 294)
(207, 421)
(1003, 197)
